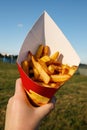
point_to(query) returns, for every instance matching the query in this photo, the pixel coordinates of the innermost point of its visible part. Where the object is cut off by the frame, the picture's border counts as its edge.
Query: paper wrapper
(46, 32)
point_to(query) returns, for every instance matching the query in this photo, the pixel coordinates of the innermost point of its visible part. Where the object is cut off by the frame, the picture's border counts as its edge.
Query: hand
(20, 114)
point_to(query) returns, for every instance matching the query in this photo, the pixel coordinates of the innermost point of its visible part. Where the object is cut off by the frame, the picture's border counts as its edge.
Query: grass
(71, 107)
(8, 75)
(70, 112)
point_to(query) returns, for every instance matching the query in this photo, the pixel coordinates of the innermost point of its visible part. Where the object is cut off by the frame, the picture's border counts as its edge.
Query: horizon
(5, 54)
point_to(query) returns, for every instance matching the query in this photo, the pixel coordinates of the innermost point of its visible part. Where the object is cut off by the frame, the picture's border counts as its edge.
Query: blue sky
(18, 16)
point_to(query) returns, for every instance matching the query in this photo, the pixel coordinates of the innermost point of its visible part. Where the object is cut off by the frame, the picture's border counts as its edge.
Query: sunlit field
(70, 112)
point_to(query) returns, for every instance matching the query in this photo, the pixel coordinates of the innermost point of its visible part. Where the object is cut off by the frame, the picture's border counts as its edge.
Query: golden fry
(46, 50)
(39, 51)
(36, 73)
(29, 56)
(44, 66)
(54, 62)
(65, 69)
(54, 56)
(38, 99)
(72, 70)
(45, 58)
(54, 69)
(59, 78)
(25, 66)
(45, 77)
(51, 69)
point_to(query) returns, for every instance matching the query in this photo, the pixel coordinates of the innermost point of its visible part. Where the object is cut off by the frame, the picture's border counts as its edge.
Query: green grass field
(70, 112)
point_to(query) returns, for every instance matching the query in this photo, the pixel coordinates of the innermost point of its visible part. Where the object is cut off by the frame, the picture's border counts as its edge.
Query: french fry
(36, 73)
(72, 70)
(54, 56)
(37, 99)
(45, 77)
(25, 66)
(65, 69)
(54, 69)
(54, 62)
(60, 78)
(44, 66)
(39, 51)
(46, 51)
(29, 56)
(45, 58)
(51, 69)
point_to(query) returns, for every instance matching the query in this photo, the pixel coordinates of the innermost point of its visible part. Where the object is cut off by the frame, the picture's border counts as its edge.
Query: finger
(46, 109)
(53, 100)
(19, 90)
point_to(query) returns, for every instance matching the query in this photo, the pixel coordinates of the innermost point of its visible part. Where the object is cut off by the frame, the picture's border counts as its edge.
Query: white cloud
(20, 25)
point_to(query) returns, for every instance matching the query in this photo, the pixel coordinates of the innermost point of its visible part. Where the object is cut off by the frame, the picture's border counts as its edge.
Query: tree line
(8, 58)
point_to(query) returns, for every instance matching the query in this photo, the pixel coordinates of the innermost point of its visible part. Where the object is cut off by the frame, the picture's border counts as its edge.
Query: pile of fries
(45, 69)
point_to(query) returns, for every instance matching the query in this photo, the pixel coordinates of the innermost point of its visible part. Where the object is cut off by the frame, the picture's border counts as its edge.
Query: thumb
(19, 90)
(46, 109)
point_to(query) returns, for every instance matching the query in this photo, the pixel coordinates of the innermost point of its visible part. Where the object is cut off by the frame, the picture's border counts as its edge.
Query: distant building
(82, 71)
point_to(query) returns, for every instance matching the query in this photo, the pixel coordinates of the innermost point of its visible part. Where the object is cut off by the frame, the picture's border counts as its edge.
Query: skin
(21, 115)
